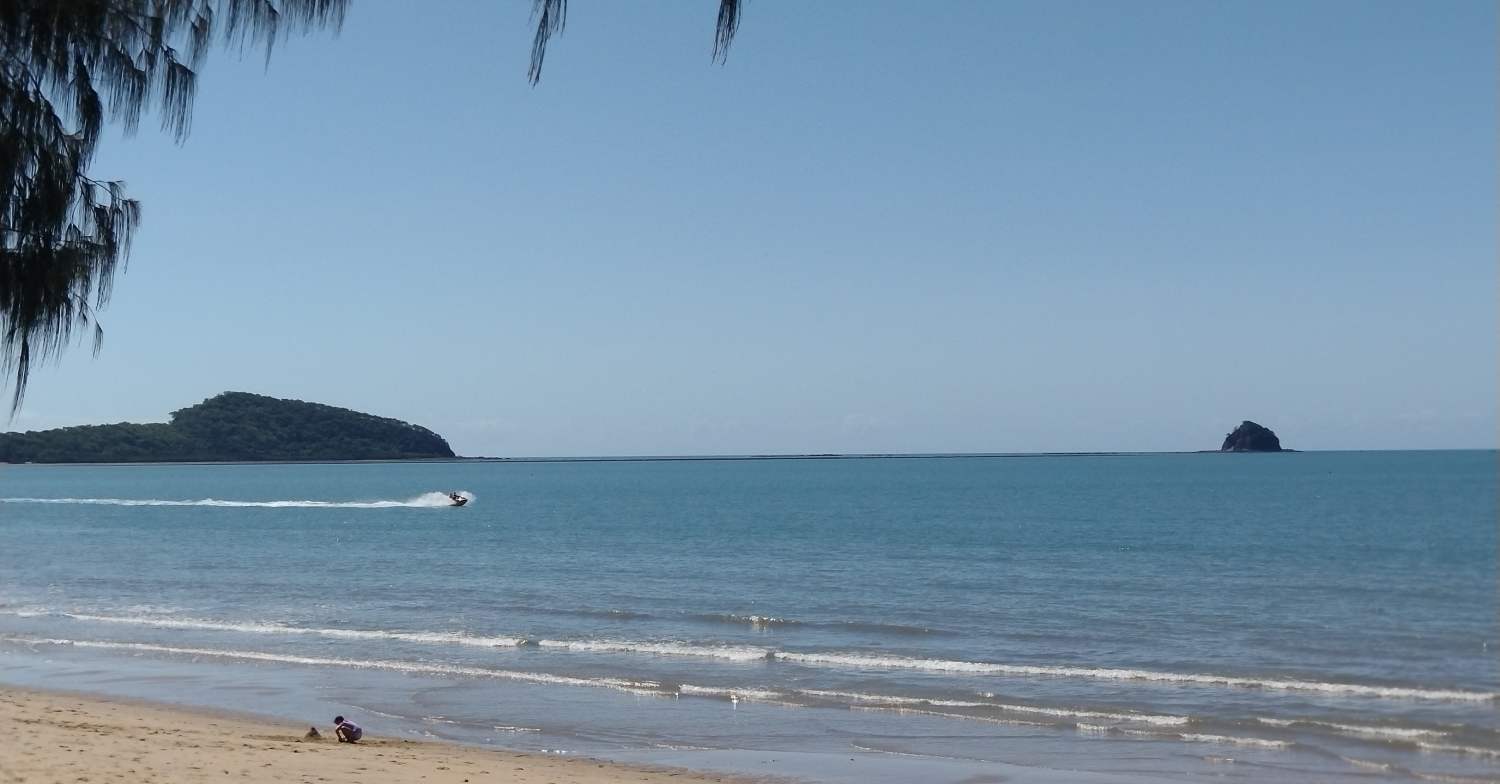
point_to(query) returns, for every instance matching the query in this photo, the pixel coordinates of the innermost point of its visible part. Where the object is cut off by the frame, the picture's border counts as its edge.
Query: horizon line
(741, 457)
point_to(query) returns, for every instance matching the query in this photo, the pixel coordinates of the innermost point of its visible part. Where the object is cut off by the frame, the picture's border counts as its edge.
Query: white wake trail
(426, 500)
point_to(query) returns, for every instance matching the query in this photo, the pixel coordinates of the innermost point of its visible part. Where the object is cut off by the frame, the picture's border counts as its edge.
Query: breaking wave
(1088, 721)
(832, 660)
(193, 624)
(1262, 743)
(735, 695)
(740, 619)
(1189, 737)
(649, 688)
(426, 500)
(1009, 720)
(763, 622)
(727, 652)
(1386, 733)
(880, 700)
(1118, 674)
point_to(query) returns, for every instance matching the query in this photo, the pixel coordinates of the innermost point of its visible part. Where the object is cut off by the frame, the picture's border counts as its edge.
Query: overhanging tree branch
(64, 66)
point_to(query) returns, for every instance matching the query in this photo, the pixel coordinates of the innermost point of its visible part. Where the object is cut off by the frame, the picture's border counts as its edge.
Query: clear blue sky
(883, 226)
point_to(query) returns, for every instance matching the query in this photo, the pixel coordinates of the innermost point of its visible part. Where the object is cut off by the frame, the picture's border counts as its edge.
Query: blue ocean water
(1291, 617)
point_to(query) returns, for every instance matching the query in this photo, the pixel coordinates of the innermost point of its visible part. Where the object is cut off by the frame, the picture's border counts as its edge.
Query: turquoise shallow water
(1310, 616)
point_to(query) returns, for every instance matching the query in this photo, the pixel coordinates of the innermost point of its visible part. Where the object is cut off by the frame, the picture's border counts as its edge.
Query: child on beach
(347, 731)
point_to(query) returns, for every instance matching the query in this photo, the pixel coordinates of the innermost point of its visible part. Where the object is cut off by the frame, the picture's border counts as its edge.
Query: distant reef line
(840, 456)
(644, 458)
(242, 428)
(740, 458)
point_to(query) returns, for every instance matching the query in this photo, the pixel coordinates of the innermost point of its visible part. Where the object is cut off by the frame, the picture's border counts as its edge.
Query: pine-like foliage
(66, 68)
(551, 14)
(69, 66)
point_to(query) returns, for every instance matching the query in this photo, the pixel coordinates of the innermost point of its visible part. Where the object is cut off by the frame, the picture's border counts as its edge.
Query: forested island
(233, 426)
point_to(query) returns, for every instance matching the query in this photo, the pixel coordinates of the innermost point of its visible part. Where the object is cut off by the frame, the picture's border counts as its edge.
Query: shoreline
(61, 735)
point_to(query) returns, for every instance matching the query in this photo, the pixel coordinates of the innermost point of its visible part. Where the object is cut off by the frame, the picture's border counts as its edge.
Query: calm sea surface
(1293, 617)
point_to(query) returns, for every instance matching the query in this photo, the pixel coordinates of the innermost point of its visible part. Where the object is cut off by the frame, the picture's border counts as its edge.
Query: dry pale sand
(50, 737)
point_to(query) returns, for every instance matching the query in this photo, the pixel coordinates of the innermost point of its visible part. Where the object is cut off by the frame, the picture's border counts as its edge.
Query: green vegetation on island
(232, 426)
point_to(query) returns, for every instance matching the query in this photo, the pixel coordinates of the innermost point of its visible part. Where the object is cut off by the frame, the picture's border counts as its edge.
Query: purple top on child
(347, 731)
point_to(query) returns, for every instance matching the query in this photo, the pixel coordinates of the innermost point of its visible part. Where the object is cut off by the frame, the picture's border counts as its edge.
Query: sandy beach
(63, 737)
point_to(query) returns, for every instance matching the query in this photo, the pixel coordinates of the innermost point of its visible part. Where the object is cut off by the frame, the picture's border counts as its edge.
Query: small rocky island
(232, 427)
(1251, 437)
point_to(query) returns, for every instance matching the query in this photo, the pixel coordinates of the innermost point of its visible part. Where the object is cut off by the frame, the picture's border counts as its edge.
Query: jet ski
(457, 499)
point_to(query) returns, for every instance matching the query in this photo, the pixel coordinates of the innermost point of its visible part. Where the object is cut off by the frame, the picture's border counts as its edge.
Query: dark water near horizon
(1295, 617)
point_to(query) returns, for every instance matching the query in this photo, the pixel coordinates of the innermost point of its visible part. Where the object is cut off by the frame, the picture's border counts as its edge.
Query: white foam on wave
(1449, 778)
(1367, 764)
(1452, 748)
(1190, 737)
(726, 652)
(437, 638)
(646, 688)
(883, 699)
(757, 695)
(1116, 674)
(753, 621)
(1061, 713)
(889, 752)
(859, 701)
(745, 654)
(425, 500)
(1143, 718)
(904, 711)
(1359, 730)
(1232, 740)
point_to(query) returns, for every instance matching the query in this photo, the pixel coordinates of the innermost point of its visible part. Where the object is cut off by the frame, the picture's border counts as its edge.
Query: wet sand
(61, 737)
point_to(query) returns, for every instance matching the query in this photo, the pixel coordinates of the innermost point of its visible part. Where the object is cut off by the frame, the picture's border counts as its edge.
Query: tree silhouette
(551, 14)
(67, 67)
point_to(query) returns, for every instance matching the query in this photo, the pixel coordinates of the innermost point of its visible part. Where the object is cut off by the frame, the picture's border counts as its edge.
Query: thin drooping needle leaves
(66, 68)
(551, 15)
(69, 66)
